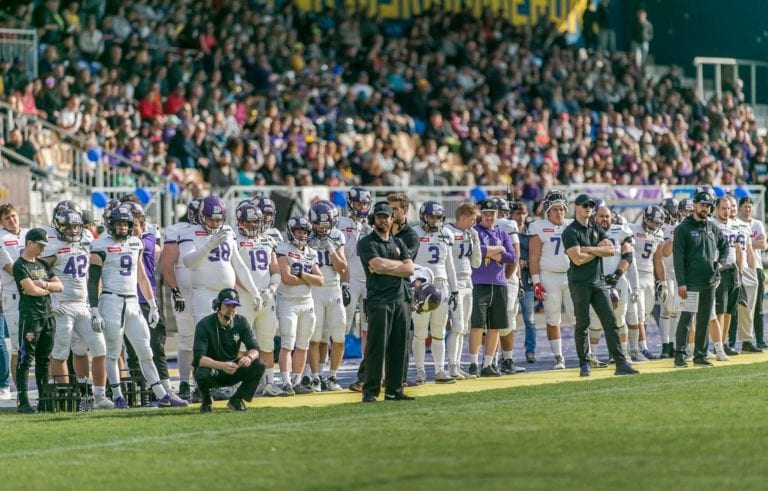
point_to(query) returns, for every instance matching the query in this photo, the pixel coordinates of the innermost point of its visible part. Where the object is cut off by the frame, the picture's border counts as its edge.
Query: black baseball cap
(382, 207)
(487, 205)
(37, 235)
(229, 296)
(584, 199)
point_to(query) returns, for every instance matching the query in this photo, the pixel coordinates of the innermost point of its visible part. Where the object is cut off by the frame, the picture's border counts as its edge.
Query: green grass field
(692, 429)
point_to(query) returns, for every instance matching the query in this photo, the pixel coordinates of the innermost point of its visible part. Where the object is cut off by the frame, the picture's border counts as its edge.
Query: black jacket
(694, 248)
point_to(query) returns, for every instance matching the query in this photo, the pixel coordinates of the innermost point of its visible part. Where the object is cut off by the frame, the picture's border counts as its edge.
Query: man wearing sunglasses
(585, 244)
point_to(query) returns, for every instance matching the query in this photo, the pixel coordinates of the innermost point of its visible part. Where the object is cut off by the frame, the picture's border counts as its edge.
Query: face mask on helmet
(298, 231)
(193, 212)
(653, 218)
(250, 222)
(431, 216)
(426, 298)
(65, 205)
(268, 211)
(321, 218)
(68, 225)
(359, 201)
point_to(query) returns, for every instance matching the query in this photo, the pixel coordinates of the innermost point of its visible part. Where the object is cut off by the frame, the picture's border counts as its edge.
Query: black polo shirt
(383, 288)
(31, 307)
(410, 238)
(221, 343)
(577, 234)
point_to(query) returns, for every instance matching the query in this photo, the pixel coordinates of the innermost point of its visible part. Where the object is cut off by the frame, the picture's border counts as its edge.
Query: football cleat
(559, 362)
(444, 378)
(171, 400)
(316, 386)
(121, 403)
(333, 384)
(288, 390)
(103, 403)
(421, 376)
(272, 391)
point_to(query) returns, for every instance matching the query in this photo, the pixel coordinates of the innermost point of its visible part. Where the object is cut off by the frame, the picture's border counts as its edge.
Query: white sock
(664, 327)
(117, 392)
(315, 375)
(487, 361)
(690, 348)
(419, 346)
(158, 389)
(295, 379)
(557, 346)
(718, 347)
(184, 357)
(166, 384)
(451, 348)
(673, 328)
(508, 355)
(634, 338)
(438, 354)
(643, 345)
(149, 371)
(593, 347)
(82, 380)
(99, 391)
(113, 372)
(286, 378)
(459, 348)
(473, 358)
(269, 375)
(332, 373)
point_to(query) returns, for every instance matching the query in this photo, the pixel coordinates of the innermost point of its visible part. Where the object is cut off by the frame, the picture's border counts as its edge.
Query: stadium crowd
(243, 94)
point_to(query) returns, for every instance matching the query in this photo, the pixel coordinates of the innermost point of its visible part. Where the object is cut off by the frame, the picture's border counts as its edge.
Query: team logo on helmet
(250, 221)
(431, 216)
(120, 214)
(321, 218)
(212, 208)
(68, 225)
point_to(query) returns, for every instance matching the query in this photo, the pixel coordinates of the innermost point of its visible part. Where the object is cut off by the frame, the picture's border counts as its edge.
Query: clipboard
(690, 304)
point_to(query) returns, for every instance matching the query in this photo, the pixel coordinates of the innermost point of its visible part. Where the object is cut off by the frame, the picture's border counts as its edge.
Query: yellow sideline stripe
(477, 385)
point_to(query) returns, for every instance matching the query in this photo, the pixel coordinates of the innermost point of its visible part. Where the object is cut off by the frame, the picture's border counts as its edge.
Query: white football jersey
(257, 254)
(173, 234)
(744, 238)
(436, 254)
(510, 228)
(215, 272)
(668, 231)
(758, 230)
(353, 231)
(731, 232)
(307, 258)
(324, 252)
(120, 268)
(11, 246)
(553, 256)
(461, 251)
(618, 235)
(645, 246)
(71, 266)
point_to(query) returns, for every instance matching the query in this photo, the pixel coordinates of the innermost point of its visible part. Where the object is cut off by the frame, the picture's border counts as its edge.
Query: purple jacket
(491, 272)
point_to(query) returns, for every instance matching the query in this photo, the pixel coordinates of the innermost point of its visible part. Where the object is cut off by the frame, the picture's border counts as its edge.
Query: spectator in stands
(222, 175)
(640, 36)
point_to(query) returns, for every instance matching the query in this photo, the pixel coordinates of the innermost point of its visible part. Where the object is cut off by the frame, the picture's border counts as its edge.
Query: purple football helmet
(111, 205)
(432, 209)
(212, 208)
(193, 211)
(250, 221)
(653, 218)
(268, 210)
(426, 298)
(334, 210)
(671, 210)
(68, 225)
(118, 214)
(503, 206)
(65, 205)
(359, 201)
(321, 218)
(298, 224)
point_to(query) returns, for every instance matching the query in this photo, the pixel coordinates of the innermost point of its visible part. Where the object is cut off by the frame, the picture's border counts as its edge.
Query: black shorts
(727, 295)
(489, 307)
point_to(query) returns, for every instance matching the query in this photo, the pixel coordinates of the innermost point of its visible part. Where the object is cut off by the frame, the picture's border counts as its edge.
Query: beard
(382, 228)
(702, 215)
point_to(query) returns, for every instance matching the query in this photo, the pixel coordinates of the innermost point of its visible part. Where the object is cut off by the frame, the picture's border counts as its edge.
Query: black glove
(297, 269)
(453, 301)
(178, 300)
(346, 296)
(613, 278)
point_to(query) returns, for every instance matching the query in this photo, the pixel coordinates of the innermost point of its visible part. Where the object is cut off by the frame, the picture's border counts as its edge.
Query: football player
(330, 314)
(742, 322)
(299, 272)
(68, 254)
(268, 212)
(179, 279)
(354, 227)
(435, 254)
(549, 266)
(257, 249)
(727, 293)
(507, 335)
(757, 229)
(116, 261)
(650, 284)
(669, 309)
(11, 246)
(466, 255)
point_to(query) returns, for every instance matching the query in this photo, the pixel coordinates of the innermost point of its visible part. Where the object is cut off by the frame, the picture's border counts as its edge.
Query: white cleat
(559, 362)
(444, 378)
(316, 385)
(5, 394)
(103, 403)
(272, 391)
(711, 356)
(721, 356)
(637, 356)
(454, 372)
(421, 376)
(333, 384)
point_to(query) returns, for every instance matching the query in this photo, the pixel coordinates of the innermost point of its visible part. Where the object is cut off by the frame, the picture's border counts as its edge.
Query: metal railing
(20, 44)
(700, 62)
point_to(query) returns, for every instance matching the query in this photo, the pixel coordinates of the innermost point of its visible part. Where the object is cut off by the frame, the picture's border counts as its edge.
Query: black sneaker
(730, 351)
(747, 347)
(489, 371)
(680, 361)
(702, 362)
(398, 396)
(236, 405)
(530, 357)
(369, 398)
(185, 391)
(625, 369)
(474, 369)
(666, 351)
(206, 405)
(25, 408)
(586, 370)
(762, 345)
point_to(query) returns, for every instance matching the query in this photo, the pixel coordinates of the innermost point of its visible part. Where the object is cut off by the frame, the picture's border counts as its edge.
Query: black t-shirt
(33, 307)
(383, 288)
(577, 234)
(410, 238)
(221, 343)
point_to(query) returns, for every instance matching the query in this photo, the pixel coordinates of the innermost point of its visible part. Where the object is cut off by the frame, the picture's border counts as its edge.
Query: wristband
(536, 278)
